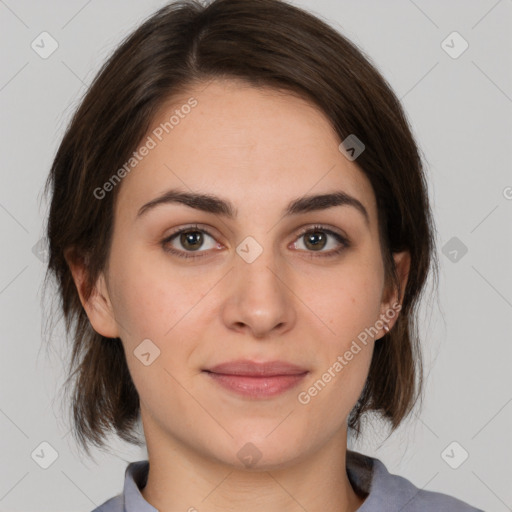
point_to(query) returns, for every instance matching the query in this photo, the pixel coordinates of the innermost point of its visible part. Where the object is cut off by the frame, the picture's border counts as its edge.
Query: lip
(250, 368)
(257, 380)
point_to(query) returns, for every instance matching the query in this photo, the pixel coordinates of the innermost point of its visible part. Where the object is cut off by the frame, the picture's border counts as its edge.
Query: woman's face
(254, 287)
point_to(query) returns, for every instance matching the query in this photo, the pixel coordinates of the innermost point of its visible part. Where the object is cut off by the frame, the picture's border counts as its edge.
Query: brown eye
(188, 240)
(191, 240)
(318, 238)
(315, 240)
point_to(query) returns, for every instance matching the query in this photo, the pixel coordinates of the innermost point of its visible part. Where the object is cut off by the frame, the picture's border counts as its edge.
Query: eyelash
(317, 227)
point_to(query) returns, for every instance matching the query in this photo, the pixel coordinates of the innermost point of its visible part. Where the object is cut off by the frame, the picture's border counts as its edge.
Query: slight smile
(257, 380)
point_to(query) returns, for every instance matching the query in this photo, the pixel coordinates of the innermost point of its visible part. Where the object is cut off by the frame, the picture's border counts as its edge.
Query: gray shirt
(385, 492)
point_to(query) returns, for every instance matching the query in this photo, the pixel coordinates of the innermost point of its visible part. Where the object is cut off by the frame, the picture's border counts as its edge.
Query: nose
(260, 301)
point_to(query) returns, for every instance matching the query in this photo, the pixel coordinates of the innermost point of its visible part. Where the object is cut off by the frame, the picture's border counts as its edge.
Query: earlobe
(97, 306)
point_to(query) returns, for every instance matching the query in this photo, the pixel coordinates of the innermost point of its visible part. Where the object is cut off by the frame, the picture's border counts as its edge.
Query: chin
(261, 449)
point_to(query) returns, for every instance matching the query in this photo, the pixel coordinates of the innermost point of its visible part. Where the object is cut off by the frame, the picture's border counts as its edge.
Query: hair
(265, 43)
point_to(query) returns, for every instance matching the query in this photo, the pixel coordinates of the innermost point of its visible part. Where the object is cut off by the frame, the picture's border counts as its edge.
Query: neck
(182, 479)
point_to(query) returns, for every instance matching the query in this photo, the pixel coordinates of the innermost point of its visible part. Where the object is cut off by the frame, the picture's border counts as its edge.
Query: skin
(259, 149)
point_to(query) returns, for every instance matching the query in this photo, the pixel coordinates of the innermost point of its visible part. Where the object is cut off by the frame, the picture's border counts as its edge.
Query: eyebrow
(213, 204)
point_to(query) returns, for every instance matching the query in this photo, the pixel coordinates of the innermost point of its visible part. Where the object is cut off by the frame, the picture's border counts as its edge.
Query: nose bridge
(259, 298)
(256, 264)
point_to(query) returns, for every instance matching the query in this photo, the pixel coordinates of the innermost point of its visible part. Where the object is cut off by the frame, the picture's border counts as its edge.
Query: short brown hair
(265, 43)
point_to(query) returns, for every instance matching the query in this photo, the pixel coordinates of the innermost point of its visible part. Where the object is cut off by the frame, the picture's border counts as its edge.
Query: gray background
(460, 110)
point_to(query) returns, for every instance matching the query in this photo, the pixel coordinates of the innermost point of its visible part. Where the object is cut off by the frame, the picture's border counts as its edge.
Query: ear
(392, 304)
(98, 306)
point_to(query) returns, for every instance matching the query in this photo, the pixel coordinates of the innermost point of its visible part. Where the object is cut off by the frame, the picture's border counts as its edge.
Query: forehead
(257, 147)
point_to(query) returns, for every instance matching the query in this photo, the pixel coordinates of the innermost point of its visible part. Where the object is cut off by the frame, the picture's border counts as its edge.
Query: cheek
(151, 308)
(164, 310)
(347, 302)
(345, 353)
(148, 304)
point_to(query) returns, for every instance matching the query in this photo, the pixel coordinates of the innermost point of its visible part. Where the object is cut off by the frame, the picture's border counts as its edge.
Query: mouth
(256, 380)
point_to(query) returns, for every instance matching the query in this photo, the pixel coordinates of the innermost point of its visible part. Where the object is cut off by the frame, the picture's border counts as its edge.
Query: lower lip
(257, 387)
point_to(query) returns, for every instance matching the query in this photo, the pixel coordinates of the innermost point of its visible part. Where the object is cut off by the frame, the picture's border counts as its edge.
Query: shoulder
(114, 504)
(130, 498)
(412, 499)
(404, 494)
(426, 501)
(387, 492)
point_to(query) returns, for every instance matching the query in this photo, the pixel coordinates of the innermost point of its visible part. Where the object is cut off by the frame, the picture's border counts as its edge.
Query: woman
(240, 232)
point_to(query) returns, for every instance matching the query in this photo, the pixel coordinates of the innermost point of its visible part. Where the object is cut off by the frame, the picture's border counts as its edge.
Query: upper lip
(253, 368)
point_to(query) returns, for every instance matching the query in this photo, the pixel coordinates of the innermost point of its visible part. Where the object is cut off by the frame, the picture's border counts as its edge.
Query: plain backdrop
(459, 104)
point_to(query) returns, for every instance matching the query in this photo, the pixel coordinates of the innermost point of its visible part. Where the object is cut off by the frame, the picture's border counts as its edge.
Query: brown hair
(266, 43)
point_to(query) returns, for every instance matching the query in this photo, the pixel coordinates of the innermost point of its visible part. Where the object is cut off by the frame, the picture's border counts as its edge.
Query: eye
(191, 239)
(317, 237)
